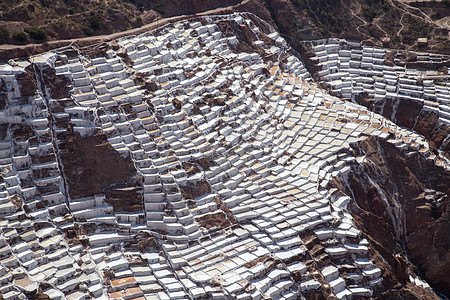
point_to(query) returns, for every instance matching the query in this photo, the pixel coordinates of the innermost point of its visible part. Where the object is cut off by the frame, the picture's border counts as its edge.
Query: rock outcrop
(401, 202)
(428, 248)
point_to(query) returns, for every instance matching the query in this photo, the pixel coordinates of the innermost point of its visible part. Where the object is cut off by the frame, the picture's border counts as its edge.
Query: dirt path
(377, 23)
(444, 22)
(8, 51)
(356, 15)
(425, 17)
(401, 28)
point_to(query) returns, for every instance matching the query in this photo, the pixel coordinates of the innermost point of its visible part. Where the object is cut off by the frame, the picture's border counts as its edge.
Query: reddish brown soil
(411, 292)
(428, 246)
(263, 259)
(38, 295)
(205, 163)
(195, 189)
(222, 207)
(427, 124)
(148, 245)
(218, 220)
(190, 168)
(244, 34)
(91, 164)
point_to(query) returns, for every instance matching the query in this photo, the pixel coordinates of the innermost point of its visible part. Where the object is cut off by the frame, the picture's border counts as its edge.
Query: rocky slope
(399, 196)
(370, 20)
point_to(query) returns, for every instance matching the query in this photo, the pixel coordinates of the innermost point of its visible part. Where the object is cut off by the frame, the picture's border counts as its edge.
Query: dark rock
(21, 131)
(412, 114)
(125, 198)
(428, 247)
(27, 82)
(407, 111)
(59, 85)
(390, 205)
(3, 130)
(410, 293)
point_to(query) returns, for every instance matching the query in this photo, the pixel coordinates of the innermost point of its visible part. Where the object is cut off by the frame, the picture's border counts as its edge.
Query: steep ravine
(414, 115)
(400, 201)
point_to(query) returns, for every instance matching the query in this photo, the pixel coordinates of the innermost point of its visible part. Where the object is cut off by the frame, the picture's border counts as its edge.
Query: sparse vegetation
(368, 20)
(368, 12)
(88, 30)
(94, 22)
(65, 19)
(159, 8)
(36, 33)
(4, 33)
(300, 19)
(435, 9)
(20, 37)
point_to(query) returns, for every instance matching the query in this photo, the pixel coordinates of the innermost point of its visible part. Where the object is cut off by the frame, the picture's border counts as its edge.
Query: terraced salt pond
(246, 138)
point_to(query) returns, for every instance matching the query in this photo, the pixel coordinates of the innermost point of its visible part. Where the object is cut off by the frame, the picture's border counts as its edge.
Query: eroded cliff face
(428, 246)
(401, 203)
(412, 114)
